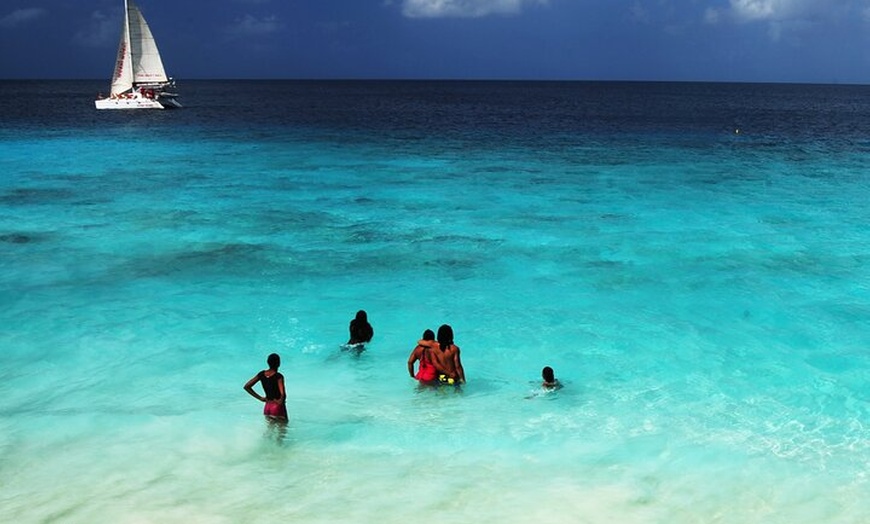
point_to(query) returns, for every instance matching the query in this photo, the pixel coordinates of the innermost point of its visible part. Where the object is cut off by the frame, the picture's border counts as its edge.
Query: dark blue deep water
(458, 109)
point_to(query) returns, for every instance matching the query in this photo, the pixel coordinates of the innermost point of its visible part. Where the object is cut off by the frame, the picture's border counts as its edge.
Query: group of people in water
(438, 357)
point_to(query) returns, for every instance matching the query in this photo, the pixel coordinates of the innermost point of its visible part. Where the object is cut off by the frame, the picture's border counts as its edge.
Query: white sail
(147, 65)
(122, 79)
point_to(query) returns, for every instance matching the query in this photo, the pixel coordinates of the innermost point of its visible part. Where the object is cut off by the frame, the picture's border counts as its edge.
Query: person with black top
(273, 389)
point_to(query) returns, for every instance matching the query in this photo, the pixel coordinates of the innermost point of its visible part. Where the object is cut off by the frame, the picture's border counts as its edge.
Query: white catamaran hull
(136, 102)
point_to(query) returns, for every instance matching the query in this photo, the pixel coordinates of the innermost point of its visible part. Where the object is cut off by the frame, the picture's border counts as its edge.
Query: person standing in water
(446, 359)
(361, 331)
(273, 389)
(426, 371)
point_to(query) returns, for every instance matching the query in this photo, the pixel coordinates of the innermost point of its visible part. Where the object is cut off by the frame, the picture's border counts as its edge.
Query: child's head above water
(549, 377)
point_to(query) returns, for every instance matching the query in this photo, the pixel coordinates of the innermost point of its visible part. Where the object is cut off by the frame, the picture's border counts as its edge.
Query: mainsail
(147, 66)
(138, 58)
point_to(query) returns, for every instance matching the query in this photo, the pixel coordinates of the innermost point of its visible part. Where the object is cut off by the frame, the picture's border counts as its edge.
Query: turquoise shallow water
(702, 295)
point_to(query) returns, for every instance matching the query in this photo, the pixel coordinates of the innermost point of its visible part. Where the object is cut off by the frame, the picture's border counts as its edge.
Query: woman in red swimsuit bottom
(273, 388)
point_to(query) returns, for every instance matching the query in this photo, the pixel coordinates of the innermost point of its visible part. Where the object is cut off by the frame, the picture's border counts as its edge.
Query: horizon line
(481, 80)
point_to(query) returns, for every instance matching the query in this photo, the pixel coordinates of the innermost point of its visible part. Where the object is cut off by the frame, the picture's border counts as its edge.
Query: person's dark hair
(360, 329)
(445, 336)
(547, 374)
(274, 361)
(428, 335)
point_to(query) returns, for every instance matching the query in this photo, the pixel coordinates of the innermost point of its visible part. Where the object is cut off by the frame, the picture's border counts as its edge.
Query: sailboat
(139, 81)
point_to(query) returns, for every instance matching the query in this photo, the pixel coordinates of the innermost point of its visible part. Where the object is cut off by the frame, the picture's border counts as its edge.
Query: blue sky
(820, 41)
